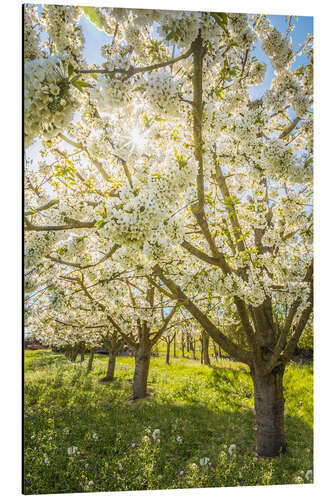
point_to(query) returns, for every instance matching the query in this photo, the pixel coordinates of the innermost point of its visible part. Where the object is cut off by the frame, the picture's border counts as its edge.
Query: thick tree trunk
(269, 408)
(82, 356)
(142, 359)
(174, 347)
(167, 357)
(91, 359)
(220, 353)
(205, 347)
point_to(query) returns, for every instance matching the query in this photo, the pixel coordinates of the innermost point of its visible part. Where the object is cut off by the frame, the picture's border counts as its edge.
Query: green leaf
(92, 14)
(80, 85)
(70, 70)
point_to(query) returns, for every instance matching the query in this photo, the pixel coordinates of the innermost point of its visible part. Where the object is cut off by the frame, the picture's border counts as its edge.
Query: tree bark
(193, 348)
(205, 347)
(91, 359)
(111, 365)
(215, 351)
(269, 408)
(167, 357)
(174, 347)
(142, 360)
(183, 346)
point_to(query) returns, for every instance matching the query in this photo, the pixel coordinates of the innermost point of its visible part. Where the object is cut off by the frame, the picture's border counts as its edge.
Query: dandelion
(94, 436)
(308, 475)
(46, 461)
(223, 454)
(120, 467)
(133, 445)
(32, 437)
(232, 449)
(156, 434)
(179, 439)
(204, 461)
(86, 466)
(181, 473)
(72, 450)
(50, 438)
(193, 466)
(146, 438)
(90, 483)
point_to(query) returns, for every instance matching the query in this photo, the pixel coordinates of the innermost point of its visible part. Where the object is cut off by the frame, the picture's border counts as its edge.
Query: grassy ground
(199, 411)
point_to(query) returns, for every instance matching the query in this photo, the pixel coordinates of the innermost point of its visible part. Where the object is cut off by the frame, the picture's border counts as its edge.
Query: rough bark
(269, 409)
(167, 357)
(175, 347)
(193, 349)
(142, 360)
(111, 365)
(205, 349)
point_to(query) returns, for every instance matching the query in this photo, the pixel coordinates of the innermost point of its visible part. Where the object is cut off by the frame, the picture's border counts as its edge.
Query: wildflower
(120, 467)
(179, 439)
(159, 477)
(86, 466)
(181, 473)
(194, 466)
(204, 461)
(232, 449)
(46, 461)
(32, 437)
(308, 475)
(72, 449)
(90, 483)
(66, 431)
(133, 445)
(299, 479)
(50, 438)
(94, 436)
(146, 438)
(223, 454)
(156, 434)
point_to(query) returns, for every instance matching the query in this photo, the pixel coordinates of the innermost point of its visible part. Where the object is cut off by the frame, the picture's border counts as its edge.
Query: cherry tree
(161, 161)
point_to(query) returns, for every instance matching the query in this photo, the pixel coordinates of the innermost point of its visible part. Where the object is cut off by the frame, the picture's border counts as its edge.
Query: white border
(11, 246)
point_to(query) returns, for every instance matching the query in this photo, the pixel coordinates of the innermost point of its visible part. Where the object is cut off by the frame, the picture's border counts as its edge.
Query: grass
(200, 412)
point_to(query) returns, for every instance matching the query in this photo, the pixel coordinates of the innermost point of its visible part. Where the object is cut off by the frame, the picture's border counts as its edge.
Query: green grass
(207, 409)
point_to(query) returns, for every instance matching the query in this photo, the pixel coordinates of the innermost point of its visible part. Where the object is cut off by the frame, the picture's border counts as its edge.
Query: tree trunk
(82, 356)
(220, 353)
(193, 348)
(174, 347)
(91, 359)
(167, 358)
(269, 408)
(111, 365)
(205, 347)
(183, 346)
(142, 359)
(215, 351)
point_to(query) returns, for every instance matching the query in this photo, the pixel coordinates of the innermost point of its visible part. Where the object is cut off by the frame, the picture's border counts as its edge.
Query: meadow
(195, 430)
